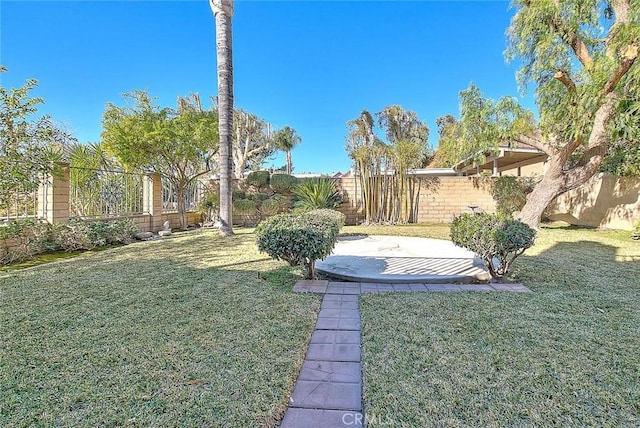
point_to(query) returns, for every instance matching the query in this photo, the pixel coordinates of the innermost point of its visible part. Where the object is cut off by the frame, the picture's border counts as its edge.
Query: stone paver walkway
(328, 392)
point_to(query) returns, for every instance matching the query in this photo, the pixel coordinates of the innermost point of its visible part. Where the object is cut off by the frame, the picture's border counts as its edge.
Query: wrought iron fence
(18, 204)
(192, 195)
(102, 193)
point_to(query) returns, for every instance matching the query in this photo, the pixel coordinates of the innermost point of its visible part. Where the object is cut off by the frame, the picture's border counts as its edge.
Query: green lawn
(200, 330)
(197, 330)
(567, 354)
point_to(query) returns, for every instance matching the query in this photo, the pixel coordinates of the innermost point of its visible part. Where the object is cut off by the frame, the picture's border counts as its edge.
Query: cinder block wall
(439, 198)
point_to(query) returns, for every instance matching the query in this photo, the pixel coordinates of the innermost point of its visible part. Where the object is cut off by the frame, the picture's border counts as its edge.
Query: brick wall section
(439, 198)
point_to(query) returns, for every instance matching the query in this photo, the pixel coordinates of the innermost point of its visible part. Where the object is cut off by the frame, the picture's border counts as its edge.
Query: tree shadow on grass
(584, 265)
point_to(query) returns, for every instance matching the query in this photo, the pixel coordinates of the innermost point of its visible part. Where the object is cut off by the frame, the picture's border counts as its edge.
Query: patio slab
(400, 259)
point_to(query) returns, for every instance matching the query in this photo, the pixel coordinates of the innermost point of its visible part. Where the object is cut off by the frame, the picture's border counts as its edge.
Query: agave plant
(317, 193)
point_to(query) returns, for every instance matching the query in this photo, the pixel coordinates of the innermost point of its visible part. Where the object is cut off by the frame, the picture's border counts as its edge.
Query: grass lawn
(197, 330)
(567, 354)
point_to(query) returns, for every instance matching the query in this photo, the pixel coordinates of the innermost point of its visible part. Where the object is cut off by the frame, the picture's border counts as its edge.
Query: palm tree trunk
(223, 11)
(289, 164)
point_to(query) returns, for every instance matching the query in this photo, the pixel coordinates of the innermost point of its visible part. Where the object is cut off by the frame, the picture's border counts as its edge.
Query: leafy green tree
(223, 11)
(286, 139)
(178, 144)
(582, 58)
(29, 145)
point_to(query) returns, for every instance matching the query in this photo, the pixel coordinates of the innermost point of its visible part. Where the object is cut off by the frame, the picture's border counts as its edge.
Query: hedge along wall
(439, 198)
(145, 224)
(604, 201)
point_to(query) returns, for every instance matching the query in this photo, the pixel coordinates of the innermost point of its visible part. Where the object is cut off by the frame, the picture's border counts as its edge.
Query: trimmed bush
(246, 208)
(274, 205)
(317, 193)
(24, 238)
(80, 235)
(258, 197)
(283, 183)
(334, 215)
(496, 240)
(258, 179)
(238, 194)
(298, 239)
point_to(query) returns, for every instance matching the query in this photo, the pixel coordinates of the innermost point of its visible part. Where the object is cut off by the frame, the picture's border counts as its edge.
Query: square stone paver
(330, 371)
(338, 304)
(340, 298)
(339, 313)
(314, 418)
(417, 288)
(310, 286)
(333, 352)
(326, 395)
(401, 287)
(475, 287)
(443, 287)
(336, 289)
(338, 324)
(330, 336)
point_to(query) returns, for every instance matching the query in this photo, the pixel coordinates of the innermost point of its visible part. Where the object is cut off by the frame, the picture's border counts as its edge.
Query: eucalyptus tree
(29, 144)
(252, 142)
(179, 144)
(223, 11)
(581, 56)
(286, 139)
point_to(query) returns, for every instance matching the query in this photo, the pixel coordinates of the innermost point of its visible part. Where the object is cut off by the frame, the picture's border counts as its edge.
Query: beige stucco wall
(603, 201)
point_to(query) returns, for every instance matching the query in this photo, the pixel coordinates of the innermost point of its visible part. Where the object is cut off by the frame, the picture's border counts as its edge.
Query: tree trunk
(223, 11)
(289, 164)
(182, 215)
(310, 266)
(543, 194)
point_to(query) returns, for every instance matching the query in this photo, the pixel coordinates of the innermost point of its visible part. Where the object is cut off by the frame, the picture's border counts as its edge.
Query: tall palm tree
(286, 139)
(223, 11)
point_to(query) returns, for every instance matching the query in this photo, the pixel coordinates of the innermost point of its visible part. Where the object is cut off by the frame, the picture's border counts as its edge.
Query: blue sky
(312, 65)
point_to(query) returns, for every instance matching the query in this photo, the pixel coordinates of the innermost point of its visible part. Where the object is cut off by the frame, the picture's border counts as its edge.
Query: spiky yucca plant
(317, 193)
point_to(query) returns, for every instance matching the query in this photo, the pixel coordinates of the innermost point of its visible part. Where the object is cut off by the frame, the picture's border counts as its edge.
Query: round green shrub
(238, 194)
(258, 197)
(497, 240)
(274, 205)
(258, 179)
(283, 183)
(245, 207)
(298, 239)
(334, 215)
